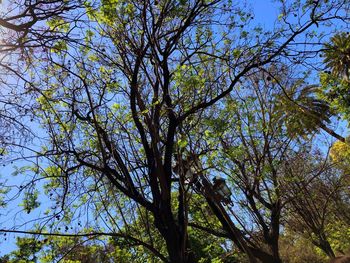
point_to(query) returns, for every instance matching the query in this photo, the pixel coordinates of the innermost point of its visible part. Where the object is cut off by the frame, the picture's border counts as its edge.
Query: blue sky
(265, 12)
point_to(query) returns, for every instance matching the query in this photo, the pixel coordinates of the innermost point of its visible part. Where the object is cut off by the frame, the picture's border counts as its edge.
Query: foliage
(296, 248)
(121, 112)
(28, 249)
(336, 83)
(337, 56)
(340, 153)
(339, 235)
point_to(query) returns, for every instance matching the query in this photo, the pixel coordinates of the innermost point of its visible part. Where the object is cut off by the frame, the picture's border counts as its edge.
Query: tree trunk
(275, 254)
(273, 243)
(177, 245)
(326, 248)
(175, 237)
(262, 256)
(175, 248)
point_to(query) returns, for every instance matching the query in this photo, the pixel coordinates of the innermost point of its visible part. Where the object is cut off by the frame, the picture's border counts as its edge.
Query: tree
(335, 83)
(92, 248)
(26, 253)
(250, 143)
(112, 88)
(19, 24)
(296, 248)
(336, 55)
(319, 203)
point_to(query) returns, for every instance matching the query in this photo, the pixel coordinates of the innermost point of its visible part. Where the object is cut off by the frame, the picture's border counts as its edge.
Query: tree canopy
(174, 131)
